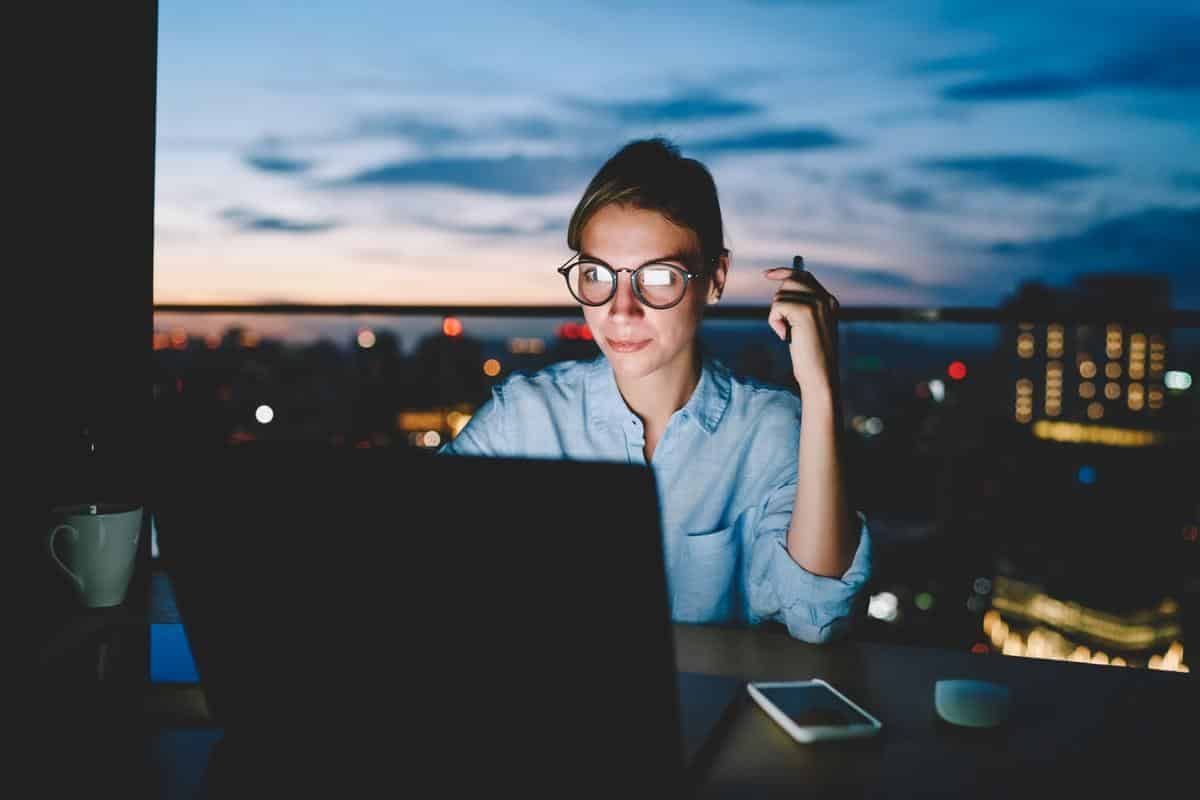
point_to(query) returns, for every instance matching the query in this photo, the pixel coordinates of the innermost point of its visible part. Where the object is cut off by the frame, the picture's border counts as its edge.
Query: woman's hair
(650, 174)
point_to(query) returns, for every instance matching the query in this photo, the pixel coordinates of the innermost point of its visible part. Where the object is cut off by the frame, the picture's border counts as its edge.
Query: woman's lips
(628, 345)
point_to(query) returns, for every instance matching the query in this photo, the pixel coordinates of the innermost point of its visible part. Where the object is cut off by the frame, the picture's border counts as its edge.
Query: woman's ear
(716, 282)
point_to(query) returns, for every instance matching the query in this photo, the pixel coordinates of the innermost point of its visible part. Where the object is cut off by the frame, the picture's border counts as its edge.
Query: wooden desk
(1081, 730)
(1076, 730)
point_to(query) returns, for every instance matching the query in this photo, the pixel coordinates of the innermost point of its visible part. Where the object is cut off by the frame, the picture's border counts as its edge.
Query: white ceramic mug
(95, 546)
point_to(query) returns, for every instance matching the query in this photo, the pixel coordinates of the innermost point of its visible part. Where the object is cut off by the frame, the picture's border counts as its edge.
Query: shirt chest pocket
(705, 590)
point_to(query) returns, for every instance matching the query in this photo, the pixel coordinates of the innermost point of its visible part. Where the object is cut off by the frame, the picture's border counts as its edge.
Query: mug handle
(50, 544)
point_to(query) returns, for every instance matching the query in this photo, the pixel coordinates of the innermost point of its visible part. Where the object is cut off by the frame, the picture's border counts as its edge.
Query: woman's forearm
(823, 536)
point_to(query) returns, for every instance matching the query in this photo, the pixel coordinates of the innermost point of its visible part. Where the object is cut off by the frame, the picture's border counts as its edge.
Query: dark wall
(80, 238)
(93, 147)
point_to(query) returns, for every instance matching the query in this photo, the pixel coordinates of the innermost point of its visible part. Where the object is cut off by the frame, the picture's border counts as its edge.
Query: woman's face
(636, 339)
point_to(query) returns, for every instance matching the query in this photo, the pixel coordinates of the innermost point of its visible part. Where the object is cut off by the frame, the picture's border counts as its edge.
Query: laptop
(707, 706)
(367, 615)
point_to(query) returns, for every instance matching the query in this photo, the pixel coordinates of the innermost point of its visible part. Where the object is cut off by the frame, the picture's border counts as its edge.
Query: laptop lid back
(495, 618)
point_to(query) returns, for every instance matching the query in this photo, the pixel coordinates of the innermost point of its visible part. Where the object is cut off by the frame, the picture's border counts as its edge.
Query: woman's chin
(623, 362)
(634, 365)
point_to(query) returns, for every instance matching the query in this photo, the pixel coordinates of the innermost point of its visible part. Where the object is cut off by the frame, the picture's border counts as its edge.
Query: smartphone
(813, 711)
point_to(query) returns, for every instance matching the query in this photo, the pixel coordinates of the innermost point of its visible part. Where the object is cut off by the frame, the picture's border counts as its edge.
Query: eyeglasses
(658, 284)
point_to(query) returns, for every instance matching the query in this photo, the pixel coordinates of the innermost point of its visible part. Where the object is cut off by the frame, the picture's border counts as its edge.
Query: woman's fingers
(811, 280)
(805, 309)
(800, 289)
(778, 322)
(818, 310)
(821, 308)
(800, 282)
(791, 308)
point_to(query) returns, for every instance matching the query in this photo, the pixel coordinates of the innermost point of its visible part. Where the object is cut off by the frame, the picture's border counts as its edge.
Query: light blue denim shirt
(726, 474)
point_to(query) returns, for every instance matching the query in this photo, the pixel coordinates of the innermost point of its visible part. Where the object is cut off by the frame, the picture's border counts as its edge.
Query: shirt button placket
(635, 440)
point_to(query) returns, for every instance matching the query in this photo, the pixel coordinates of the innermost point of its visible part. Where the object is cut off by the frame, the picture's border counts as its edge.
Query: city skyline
(921, 155)
(961, 493)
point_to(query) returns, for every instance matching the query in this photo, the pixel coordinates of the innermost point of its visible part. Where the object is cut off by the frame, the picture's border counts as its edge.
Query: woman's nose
(624, 303)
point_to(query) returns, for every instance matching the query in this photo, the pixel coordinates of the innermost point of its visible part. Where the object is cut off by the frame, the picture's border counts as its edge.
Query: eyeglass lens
(657, 284)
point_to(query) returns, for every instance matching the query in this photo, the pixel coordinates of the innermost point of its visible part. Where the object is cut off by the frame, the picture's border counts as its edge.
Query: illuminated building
(1090, 495)
(1071, 376)
(1026, 621)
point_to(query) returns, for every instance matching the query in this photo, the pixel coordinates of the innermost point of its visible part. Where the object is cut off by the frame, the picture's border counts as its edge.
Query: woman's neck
(655, 397)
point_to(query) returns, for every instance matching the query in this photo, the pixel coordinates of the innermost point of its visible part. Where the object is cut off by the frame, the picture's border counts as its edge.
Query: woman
(755, 519)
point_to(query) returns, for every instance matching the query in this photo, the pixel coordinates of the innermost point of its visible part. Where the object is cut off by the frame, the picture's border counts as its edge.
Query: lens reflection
(655, 285)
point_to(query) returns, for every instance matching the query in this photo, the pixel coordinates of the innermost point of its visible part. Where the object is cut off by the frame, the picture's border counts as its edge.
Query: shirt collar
(706, 405)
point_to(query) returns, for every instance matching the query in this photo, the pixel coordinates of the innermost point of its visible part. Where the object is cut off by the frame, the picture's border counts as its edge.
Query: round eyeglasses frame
(577, 260)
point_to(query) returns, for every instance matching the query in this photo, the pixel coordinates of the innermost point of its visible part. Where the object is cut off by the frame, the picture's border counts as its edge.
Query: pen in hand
(797, 266)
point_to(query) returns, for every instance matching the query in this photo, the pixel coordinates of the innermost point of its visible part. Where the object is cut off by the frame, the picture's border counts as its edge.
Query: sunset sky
(915, 153)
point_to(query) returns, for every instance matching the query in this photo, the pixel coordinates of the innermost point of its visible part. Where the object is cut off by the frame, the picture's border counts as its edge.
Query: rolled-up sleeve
(814, 608)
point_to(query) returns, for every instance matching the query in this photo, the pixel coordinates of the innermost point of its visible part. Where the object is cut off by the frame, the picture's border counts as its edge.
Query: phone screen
(813, 705)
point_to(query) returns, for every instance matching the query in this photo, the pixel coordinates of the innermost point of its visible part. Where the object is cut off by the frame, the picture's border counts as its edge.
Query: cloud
(963, 62)
(406, 126)
(877, 278)
(1020, 88)
(1014, 172)
(1171, 62)
(912, 199)
(250, 221)
(803, 2)
(877, 186)
(500, 229)
(1167, 61)
(278, 164)
(686, 107)
(528, 127)
(1187, 180)
(425, 131)
(1162, 240)
(514, 175)
(772, 140)
(935, 112)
